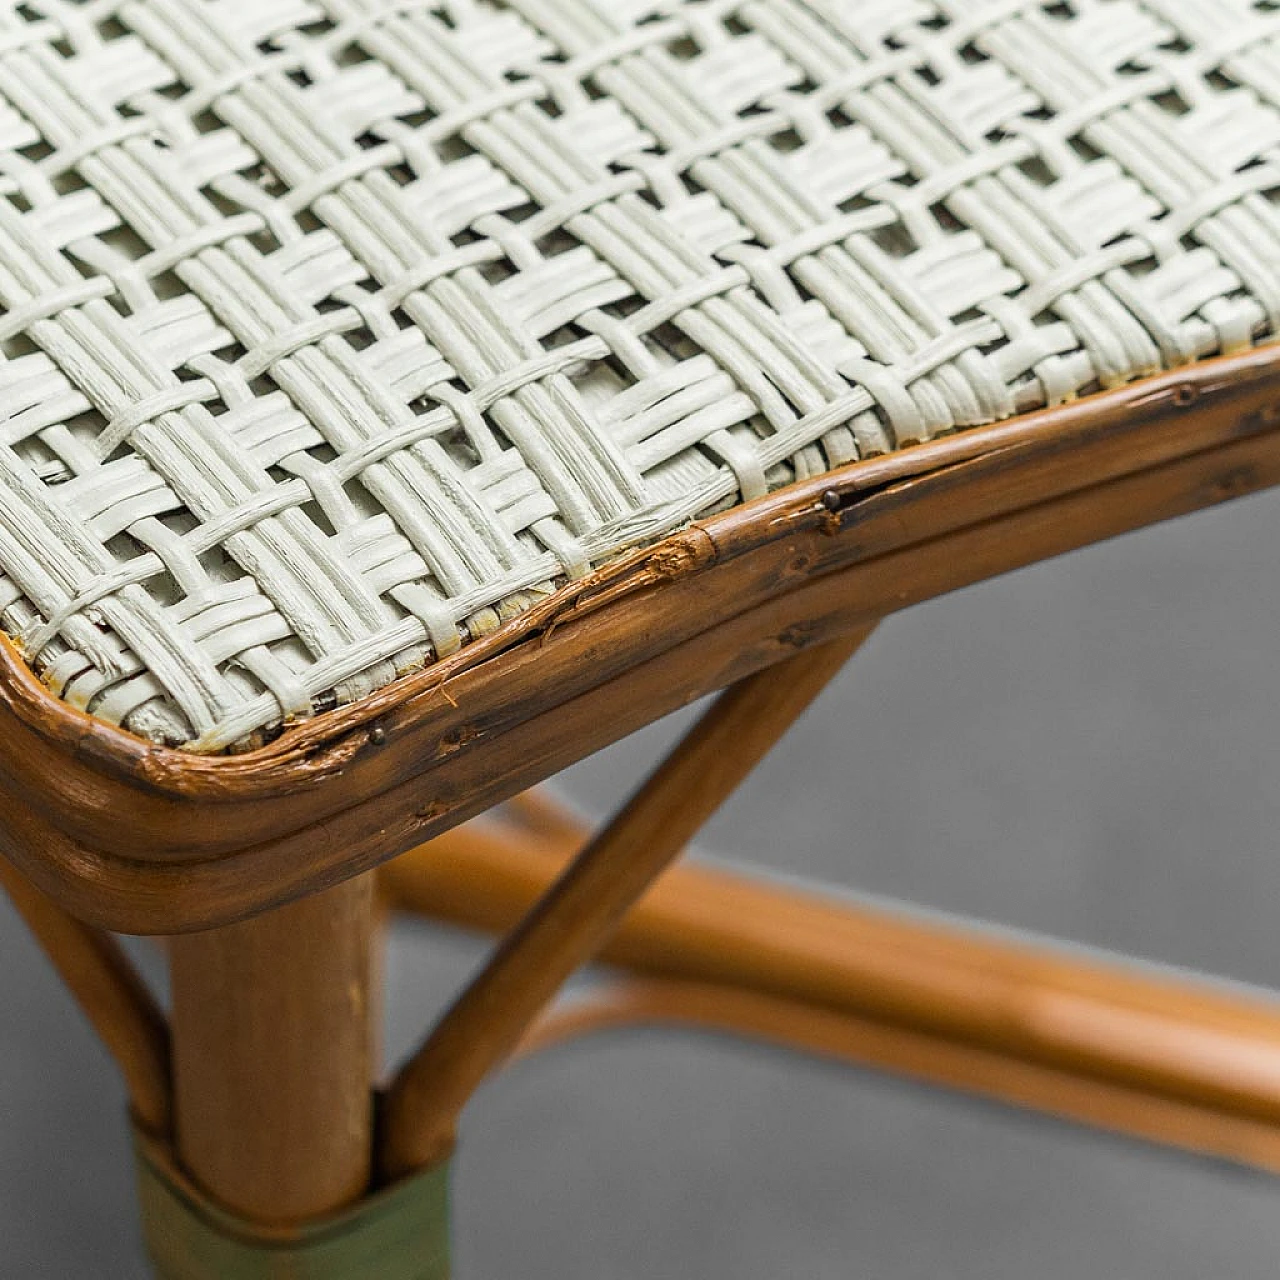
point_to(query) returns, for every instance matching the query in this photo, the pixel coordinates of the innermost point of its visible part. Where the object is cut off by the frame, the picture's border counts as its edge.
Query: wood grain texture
(585, 904)
(149, 840)
(273, 1068)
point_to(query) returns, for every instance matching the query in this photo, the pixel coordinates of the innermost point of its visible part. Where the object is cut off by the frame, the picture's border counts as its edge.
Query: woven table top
(335, 332)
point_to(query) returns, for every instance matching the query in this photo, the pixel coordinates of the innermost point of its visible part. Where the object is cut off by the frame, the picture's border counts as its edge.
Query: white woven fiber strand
(335, 332)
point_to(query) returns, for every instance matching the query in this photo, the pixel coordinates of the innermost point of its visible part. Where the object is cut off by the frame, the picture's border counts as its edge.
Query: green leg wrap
(400, 1233)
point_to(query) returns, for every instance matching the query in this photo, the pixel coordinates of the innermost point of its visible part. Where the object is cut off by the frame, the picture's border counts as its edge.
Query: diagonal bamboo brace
(584, 906)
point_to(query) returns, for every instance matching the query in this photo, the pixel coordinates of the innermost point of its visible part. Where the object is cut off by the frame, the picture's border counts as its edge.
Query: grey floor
(1087, 748)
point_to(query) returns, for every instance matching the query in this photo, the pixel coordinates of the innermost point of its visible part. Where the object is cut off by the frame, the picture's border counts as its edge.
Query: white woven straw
(335, 332)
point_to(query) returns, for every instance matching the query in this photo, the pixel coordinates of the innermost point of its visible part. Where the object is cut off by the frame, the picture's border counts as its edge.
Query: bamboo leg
(578, 914)
(109, 991)
(272, 1056)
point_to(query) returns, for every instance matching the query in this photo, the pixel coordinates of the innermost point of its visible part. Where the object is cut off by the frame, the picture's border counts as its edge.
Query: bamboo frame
(111, 832)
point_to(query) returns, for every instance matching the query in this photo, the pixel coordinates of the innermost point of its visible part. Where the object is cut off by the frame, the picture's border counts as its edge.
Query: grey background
(1087, 748)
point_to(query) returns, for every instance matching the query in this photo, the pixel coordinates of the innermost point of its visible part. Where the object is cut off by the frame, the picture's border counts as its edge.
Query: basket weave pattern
(336, 332)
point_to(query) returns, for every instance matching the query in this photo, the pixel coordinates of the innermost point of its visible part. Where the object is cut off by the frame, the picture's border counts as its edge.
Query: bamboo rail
(1116, 1028)
(913, 1054)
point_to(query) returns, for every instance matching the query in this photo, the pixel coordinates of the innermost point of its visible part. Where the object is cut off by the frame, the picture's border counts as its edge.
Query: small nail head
(377, 735)
(1184, 394)
(831, 500)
